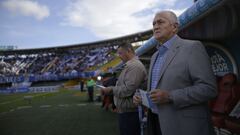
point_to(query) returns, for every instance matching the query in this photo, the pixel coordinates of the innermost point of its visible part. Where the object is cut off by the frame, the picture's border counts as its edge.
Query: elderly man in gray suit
(181, 82)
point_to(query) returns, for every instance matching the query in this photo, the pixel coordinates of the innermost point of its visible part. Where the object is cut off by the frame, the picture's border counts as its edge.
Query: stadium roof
(218, 23)
(110, 42)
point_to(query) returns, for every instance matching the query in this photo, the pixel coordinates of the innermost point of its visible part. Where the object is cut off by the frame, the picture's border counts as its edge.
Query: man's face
(123, 54)
(163, 29)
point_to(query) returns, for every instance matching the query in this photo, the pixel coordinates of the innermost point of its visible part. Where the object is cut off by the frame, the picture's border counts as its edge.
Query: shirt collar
(168, 43)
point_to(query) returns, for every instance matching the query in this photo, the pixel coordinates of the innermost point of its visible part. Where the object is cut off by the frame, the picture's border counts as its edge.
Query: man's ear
(128, 51)
(175, 25)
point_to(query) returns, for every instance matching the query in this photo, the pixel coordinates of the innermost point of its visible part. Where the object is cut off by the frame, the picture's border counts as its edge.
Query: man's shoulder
(192, 47)
(139, 62)
(190, 42)
(136, 63)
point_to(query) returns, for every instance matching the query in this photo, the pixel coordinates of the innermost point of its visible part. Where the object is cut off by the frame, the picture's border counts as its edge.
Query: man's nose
(155, 28)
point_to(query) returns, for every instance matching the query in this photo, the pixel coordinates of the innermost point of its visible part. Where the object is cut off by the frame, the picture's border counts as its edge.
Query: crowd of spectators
(56, 63)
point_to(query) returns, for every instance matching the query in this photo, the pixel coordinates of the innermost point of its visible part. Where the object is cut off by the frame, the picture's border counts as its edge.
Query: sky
(49, 23)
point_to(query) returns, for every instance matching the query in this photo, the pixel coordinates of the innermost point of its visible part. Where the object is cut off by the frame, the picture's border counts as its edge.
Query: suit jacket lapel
(171, 53)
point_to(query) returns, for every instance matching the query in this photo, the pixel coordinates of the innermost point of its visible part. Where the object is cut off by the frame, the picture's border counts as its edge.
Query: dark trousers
(90, 94)
(112, 101)
(82, 85)
(129, 123)
(153, 127)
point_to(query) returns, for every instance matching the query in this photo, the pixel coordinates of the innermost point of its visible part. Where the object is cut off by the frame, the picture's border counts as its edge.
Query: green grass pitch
(61, 113)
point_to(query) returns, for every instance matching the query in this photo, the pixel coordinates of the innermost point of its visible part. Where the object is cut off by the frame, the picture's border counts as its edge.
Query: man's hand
(106, 90)
(137, 100)
(159, 96)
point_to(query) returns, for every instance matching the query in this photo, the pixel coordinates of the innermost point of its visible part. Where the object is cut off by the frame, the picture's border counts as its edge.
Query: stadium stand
(50, 65)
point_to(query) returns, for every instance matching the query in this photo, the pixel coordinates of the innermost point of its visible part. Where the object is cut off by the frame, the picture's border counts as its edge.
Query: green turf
(65, 115)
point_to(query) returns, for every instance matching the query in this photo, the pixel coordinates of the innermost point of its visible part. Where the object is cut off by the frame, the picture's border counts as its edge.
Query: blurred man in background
(90, 86)
(130, 79)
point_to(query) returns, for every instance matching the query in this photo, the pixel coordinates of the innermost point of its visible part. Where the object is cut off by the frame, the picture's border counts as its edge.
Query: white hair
(171, 16)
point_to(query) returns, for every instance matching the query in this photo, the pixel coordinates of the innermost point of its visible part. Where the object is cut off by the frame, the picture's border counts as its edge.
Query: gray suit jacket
(130, 79)
(188, 76)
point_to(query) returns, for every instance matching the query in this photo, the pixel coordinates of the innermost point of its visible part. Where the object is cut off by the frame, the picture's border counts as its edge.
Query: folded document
(146, 101)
